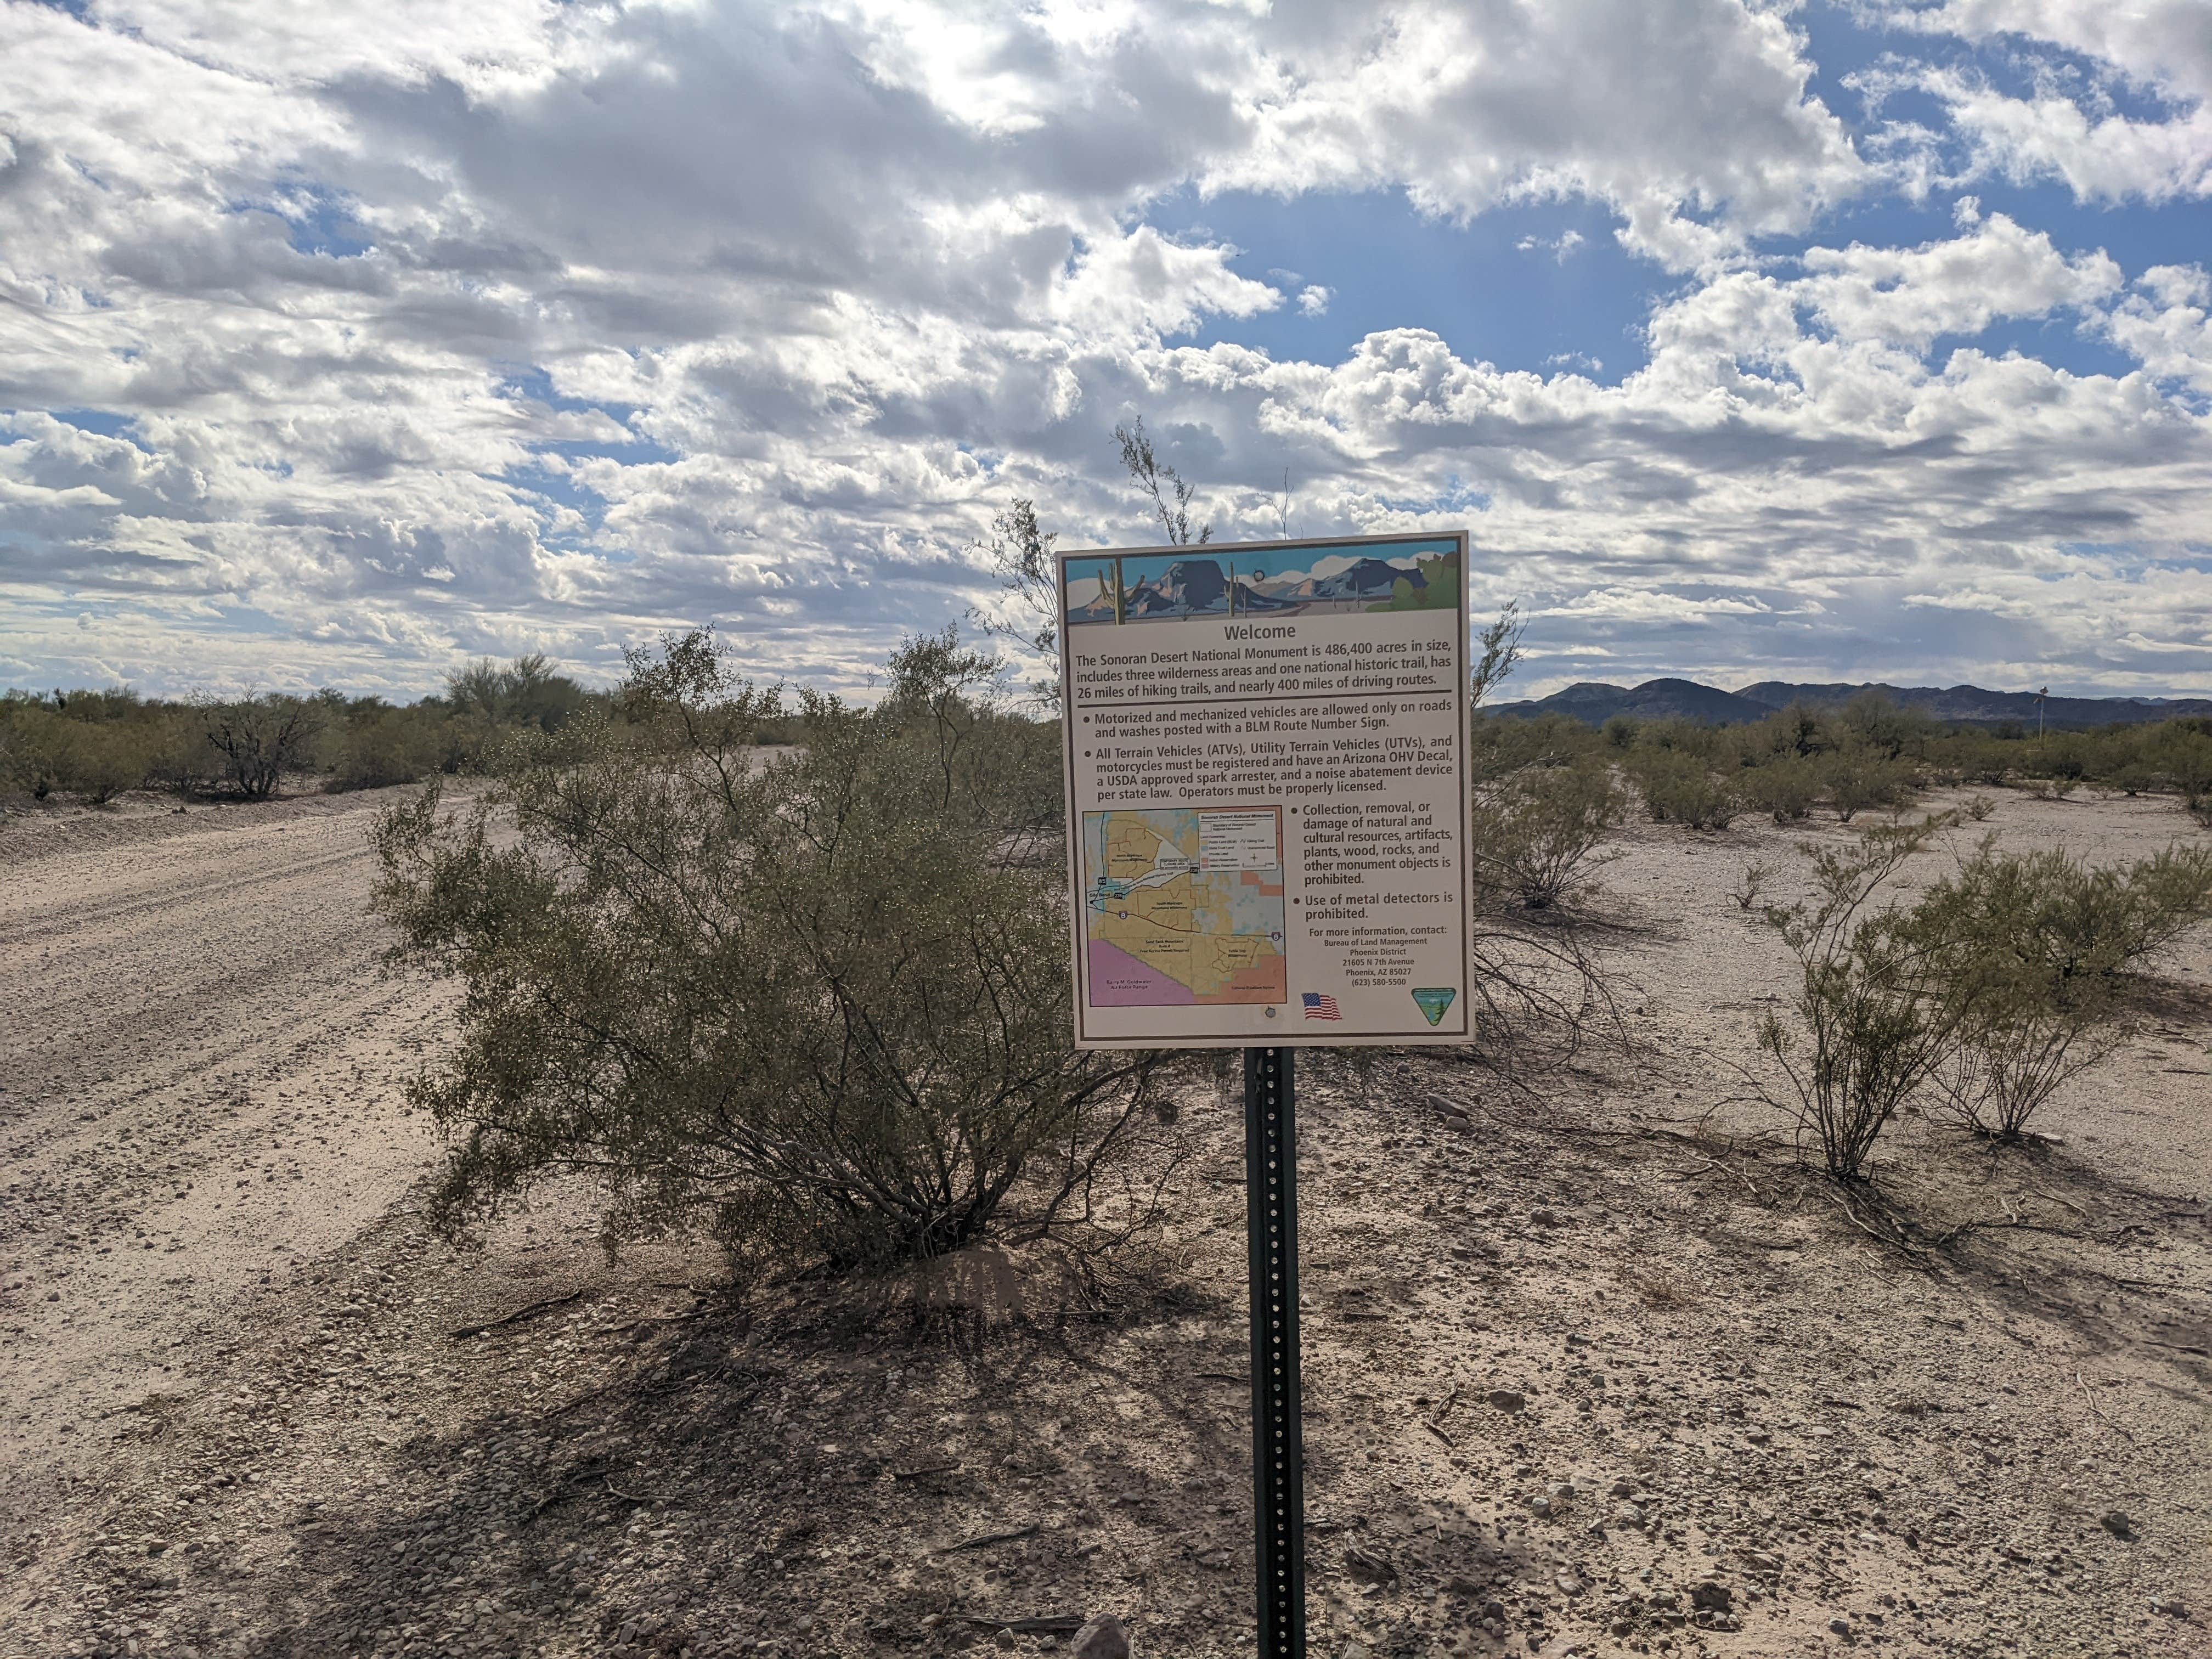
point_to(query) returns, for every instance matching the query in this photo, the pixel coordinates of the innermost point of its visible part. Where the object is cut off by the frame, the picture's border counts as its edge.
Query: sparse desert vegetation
(925, 1334)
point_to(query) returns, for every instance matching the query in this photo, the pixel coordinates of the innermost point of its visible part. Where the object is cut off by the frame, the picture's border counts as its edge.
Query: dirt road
(199, 1090)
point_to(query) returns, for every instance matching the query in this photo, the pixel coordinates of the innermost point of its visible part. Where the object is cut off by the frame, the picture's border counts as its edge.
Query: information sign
(1267, 792)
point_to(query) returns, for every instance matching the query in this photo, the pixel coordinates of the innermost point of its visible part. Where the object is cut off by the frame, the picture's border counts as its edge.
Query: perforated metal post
(1271, 1189)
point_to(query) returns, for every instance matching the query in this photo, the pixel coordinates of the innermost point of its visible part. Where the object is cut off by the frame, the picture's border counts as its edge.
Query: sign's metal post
(1278, 1441)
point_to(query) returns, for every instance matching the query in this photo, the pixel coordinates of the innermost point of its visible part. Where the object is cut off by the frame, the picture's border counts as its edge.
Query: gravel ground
(1595, 1370)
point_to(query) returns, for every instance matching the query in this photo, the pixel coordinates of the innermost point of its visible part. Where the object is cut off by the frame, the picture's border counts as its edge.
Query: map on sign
(1183, 905)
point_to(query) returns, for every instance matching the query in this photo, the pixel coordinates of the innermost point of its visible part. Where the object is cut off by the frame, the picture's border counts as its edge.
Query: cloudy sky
(1858, 338)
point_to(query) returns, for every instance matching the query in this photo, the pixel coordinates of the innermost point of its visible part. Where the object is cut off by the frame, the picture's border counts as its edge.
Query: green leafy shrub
(1785, 788)
(1854, 783)
(2034, 947)
(1680, 788)
(1870, 1021)
(816, 1003)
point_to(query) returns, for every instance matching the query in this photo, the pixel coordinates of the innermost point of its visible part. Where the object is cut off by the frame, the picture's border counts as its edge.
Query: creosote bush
(2036, 947)
(1871, 1021)
(1680, 788)
(815, 1002)
(2003, 980)
(1871, 755)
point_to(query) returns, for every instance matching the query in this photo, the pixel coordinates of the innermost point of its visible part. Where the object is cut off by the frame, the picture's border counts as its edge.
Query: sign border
(1294, 1036)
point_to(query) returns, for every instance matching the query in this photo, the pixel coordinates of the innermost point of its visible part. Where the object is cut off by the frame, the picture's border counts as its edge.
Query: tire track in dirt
(201, 1065)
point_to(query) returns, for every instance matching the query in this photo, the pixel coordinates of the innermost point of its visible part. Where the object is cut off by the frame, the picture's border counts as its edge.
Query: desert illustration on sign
(1177, 587)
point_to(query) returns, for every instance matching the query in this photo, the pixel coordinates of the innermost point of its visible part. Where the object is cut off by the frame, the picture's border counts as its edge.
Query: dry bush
(1536, 831)
(260, 739)
(1751, 884)
(2009, 1063)
(813, 1003)
(1654, 1287)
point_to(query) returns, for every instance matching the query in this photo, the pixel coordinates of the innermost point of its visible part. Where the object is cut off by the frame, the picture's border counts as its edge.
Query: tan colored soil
(259, 1436)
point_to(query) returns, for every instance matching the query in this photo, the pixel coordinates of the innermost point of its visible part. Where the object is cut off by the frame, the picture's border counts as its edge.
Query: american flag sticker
(1319, 1004)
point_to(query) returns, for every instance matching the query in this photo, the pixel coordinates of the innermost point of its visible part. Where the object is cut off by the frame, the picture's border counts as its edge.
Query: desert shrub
(178, 756)
(1784, 788)
(1681, 737)
(379, 746)
(1499, 745)
(91, 744)
(1798, 731)
(1618, 732)
(1885, 728)
(2034, 947)
(1870, 1023)
(2180, 755)
(33, 744)
(2067, 755)
(810, 1003)
(2012, 1057)
(260, 738)
(526, 692)
(1751, 884)
(2075, 924)
(102, 759)
(1536, 831)
(1854, 782)
(1680, 788)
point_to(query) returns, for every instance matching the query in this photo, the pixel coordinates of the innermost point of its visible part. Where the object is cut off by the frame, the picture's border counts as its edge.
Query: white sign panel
(1267, 792)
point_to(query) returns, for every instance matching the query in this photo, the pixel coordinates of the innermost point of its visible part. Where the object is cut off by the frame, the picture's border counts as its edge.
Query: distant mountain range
(1967, 705)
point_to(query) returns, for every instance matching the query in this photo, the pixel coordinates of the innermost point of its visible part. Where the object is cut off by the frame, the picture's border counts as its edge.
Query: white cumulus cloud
(337, 344)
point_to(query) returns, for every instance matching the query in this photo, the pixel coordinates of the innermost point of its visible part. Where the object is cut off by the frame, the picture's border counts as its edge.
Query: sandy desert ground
(1594, 1370)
